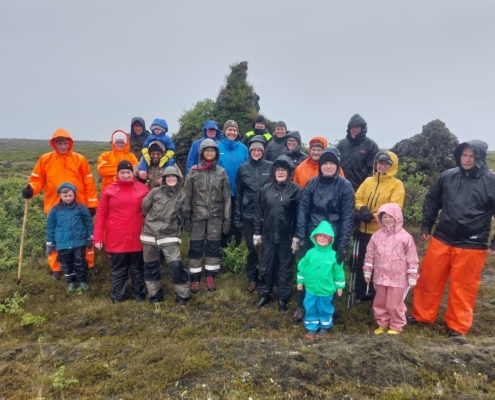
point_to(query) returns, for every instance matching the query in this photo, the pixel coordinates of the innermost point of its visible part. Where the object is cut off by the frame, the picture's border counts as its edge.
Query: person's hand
(367, 279)
(159, 181)
(411, 282)
(425, 236)
(27, 192)
(89, 242)
(296, 243)
(226, 226)
(143, 175)
(163, 161)
(92, 211)
(257, 242)
(341, 254)
(187, 224)
(99, 246)
(339, 292)
(365, 215)
(50, 248)
(238, 224)
(491, 252)
(300, 286)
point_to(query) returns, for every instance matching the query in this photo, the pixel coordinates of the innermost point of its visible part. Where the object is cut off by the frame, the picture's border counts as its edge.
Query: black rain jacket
(296, 155)
(327, 199)
(467, 202)
(276, 208)
(357, 154)
(275, 148)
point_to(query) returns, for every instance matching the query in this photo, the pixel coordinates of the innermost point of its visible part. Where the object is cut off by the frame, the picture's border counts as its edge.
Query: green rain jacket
(318, 270)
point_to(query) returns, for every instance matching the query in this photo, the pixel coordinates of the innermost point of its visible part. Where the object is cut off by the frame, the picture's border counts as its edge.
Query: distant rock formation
(432, 150)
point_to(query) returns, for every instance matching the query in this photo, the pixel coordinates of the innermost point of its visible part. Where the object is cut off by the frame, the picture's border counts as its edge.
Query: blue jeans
(319, 312)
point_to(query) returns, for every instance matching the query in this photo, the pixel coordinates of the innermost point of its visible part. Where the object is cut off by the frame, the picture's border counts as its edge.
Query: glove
(27, 192)
(257, 243)
(411, 282)
(163, 161)
(341, 254)
(50, 248)
(226, 226)
(92, 211)
(90, 242)
(296, 245)
(187, 223)
(238, 224)
(146, 156)
(365, 215)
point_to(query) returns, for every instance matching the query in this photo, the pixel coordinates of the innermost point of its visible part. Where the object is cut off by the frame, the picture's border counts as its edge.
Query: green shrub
(415, 192)
(30, 319)
(234, 258)
(12, 305)
(60, 381)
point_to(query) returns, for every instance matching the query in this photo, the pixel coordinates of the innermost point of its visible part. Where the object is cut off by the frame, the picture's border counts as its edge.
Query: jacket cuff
(367, 274)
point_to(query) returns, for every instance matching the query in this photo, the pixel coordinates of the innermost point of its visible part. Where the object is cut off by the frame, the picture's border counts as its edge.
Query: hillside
(220, 346)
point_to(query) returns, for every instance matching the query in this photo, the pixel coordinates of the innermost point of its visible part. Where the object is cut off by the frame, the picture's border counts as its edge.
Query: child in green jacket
(321, 275)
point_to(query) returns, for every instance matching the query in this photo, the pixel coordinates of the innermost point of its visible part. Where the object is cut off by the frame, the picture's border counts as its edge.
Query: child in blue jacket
(69, 230)
(321, 275)
(159, 129)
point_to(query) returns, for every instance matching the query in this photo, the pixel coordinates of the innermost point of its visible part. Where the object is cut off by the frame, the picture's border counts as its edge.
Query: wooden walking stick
(23, 235)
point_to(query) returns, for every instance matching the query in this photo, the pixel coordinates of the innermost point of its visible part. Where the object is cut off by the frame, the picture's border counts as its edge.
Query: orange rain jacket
(308, 168)
(108, 161)
(53, 168)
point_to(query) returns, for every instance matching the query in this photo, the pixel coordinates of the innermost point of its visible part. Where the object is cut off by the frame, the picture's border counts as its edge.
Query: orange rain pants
(463, 267)
(55, 266)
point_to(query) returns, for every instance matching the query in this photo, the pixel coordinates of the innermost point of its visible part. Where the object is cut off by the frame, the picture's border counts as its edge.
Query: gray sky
(90, 66)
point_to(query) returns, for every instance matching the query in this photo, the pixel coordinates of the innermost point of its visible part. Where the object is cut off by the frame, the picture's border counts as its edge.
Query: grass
(221, 346)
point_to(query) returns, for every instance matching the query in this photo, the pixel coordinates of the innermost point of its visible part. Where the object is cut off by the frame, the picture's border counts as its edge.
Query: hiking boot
(412, 320)
(299, 315)
(380, 330)
(194, 287)
(322, 333)
(211, 284)
(252, 286)
(392, 332)
(310, 334)
(263, 301)
(84, 286)
(453, 333)
(55, 276)
(181, 302)
(72, 287)
(282, 306)
(94, 270)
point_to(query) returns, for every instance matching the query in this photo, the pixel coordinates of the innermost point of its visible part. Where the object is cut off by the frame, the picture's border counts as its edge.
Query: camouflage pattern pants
(205, 239)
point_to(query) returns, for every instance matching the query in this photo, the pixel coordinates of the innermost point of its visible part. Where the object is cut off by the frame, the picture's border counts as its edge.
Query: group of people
(284, 202)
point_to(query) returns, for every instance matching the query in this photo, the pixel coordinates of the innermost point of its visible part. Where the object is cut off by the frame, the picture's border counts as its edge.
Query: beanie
(66, 185)
(329, 238)
(316, 143)
(124, 164)
(282, 124)
(328, 156)
(119, 136)
(155, 147)
(230, 124)
(152, 127)
(256, 145)
(260, 118)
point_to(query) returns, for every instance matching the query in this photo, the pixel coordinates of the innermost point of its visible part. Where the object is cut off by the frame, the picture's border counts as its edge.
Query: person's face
(119, 145)
(467, 159)
(321, 240)
(256, 154)
(157, 131)
(356, 130)
(315, 153)
(209, 154)
(382, 166)
(171, 180)
(231, 133)
(388, 221)
(328, 168)
(125, 175)
(211, 132)
(62, 145)
(259, 125)
(67, 197)
(155, 156)
(280, 131)
(138, 128)
(281, 174)
(291, 143)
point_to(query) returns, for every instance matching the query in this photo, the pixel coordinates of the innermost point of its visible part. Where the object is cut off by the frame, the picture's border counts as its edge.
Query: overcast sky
(90, 66)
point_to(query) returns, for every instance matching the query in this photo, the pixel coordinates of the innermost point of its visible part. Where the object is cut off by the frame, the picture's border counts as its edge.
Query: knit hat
(154, 147)
(328, 156)
(382, 156)
(260, 118)
(124, 164)
(119, 136)
(153, 127)
(66, 185)
(282, 124)
(230, 124)
(329, 238)
(316, 143)
(256, 145)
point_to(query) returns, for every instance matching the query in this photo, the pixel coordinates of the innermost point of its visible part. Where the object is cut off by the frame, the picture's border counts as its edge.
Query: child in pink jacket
(392, 258)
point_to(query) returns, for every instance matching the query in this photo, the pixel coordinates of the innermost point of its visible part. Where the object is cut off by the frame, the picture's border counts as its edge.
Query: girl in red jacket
(119, 221)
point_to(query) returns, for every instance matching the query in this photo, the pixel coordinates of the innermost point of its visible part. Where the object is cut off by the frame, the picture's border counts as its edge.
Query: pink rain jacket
(391, 252)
